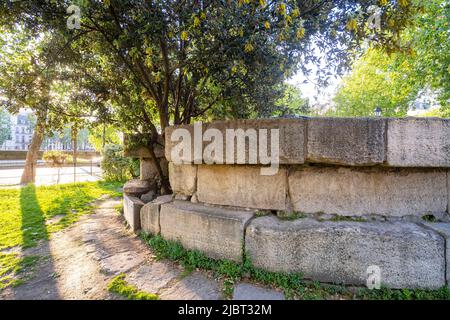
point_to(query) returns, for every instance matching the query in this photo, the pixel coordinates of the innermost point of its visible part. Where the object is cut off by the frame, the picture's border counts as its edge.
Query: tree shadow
(42, 284)
(33, 218)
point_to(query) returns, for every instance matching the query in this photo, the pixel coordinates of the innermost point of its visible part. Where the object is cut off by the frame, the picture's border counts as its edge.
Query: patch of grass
(26, 210)
(282, 215)
(262, 213)
(27, 213)
(291, 283)
(119, 208)
(191, 259)
(404, 294)
(347, 218)
(14, 270)
(119, 286)
(228, 288)
(429, 218)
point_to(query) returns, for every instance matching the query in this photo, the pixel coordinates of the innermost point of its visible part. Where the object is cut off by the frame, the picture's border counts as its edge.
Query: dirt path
(79, 262)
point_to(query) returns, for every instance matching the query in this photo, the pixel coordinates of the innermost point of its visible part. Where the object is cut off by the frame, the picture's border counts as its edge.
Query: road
(49, 175)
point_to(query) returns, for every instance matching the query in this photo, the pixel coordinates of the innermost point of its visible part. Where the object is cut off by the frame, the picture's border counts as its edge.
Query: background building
(22, 126)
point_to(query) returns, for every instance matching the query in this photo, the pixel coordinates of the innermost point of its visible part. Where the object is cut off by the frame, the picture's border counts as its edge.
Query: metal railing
(85, 170)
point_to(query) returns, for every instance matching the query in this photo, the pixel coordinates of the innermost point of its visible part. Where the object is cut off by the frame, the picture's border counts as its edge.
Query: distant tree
(393, 80)
(292, 104)
(100, 136)
(5, 126)
(373, 84)
(30, 79)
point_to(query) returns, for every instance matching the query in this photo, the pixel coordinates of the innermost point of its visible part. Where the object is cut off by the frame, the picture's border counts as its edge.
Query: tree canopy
(393, 81)
(143, 65)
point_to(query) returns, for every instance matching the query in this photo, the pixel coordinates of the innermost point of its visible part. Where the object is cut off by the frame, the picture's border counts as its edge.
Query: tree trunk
(29, 171)
(74, 147)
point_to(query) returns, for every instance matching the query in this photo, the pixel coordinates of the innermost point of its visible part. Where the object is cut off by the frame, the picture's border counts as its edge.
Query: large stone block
(150, 214)
(131, 211)
(444, 230)
(150, 218)
(183, 178)
(217, 232)
(340, 252)
(136, 187)
(366, 191)
(418, 142)
(241, 186)
(291, 140)
(148, 169)
(346, 141)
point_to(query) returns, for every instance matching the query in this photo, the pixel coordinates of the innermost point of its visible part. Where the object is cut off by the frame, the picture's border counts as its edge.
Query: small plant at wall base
(293, 284)
(117, 167)
(119, 286)
(54, 158)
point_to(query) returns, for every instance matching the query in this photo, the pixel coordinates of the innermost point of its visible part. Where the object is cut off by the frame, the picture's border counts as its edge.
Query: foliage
(121, 287)
(96, 139)
(393, 80)
(54, 157)
(370, 85)
(5, 126)
(115, 166)
(291, 104)
(142, 65)
(292, 283)
(158, 48)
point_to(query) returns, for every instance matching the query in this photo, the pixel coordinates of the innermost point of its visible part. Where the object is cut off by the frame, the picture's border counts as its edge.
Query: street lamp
(377, 112)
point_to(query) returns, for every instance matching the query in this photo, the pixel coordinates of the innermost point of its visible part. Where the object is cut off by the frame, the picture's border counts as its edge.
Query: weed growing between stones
(293, 284)
(429, 218)
(347, 218)
(283, 215)
(119, 286)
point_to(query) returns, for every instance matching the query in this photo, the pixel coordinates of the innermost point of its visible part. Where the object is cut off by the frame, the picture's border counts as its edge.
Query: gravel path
(79, 262)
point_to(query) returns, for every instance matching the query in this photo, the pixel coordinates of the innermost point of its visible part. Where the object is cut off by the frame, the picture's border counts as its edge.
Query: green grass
(26, 216)
(14, 270)
(282, 215)
(347, 218)
(292, 284)
(119, 286)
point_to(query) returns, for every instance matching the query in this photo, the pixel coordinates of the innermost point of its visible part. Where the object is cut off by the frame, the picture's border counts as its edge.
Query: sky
(316, 95)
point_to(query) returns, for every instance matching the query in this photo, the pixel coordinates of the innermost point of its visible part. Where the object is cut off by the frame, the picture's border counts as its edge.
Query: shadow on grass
(34, 229)
(33, 219)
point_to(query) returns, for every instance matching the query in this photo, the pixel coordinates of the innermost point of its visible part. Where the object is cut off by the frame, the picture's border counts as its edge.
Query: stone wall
(349, 193)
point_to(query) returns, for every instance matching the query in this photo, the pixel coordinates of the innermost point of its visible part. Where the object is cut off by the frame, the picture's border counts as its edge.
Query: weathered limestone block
(367, 191)
(148, 170)
(150, 214)
(131, 211)
(346, 141)
(217, 232)
(149, 196)
(291, 132)
(137, 187)
(418, 142)
(241, 186)
(444, 230)
(183, 178)
(340, 252)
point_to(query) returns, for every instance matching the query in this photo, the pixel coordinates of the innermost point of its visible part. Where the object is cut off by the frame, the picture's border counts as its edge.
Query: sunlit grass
(26, 218)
